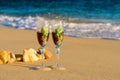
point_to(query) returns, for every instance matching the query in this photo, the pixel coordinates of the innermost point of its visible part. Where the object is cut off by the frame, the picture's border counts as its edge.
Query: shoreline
(66, 19)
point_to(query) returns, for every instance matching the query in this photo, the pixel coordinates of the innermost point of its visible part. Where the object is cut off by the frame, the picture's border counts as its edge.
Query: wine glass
(58, 35)
(42, 36)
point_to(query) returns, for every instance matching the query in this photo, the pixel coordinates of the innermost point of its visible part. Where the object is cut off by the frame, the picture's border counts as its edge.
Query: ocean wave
(82, 29)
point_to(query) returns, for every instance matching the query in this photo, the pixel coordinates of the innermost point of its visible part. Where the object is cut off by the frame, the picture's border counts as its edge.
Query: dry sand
(85, 59)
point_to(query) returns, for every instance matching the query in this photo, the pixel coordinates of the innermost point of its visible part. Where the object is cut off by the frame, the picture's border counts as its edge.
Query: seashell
(30, 55)
(18, 59)
(7, 57)
(1, 62)
(47, 54)
(12, 58)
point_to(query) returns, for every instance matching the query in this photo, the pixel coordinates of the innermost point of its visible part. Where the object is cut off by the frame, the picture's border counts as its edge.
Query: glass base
(58, 67)
(43, 68)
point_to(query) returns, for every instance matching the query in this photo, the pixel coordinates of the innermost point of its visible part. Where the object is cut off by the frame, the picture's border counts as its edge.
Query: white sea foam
(82, 30)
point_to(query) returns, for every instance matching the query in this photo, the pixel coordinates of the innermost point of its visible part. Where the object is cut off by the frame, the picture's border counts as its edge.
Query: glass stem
(42, 53)
(58, 55)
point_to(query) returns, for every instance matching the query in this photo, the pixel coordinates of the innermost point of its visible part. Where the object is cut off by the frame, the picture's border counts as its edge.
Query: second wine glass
(58, 35)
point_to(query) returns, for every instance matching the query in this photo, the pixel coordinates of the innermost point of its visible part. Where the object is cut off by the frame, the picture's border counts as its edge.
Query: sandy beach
(84, 59)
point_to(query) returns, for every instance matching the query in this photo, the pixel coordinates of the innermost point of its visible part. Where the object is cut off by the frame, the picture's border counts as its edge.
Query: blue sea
(103, 15)
(107, 10)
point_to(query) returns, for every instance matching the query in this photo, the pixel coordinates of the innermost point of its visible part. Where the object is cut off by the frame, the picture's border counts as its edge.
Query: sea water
(83, 18)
